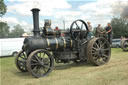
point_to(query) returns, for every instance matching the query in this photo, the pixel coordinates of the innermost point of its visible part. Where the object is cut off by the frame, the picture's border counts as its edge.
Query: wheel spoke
(43, 55)
(77, 25)
(46, 66)
(94, 52)
(34, 60)
(44, 69)
(101, 60)
(106, 49)
(37, 58)
(34, 64)
(40, 54)
(77, 36)
(22, 60)
(104, 58)
(103, 44)
(81, 25)
(46, 63)
(94, 48)
(97, 45)
(105, 55)
(95, 58)
(37, 69)
(46, 60)
(24, 55)
(34, 68)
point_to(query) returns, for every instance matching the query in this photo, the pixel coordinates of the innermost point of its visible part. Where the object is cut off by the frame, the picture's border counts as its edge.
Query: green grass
(113, 73)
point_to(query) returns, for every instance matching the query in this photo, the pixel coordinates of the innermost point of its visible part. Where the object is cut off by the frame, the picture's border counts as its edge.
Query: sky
(94, 11)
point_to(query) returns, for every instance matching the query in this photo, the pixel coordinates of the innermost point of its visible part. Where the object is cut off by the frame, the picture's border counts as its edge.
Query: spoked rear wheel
(40, 63)
(20, 61)
(99, 51)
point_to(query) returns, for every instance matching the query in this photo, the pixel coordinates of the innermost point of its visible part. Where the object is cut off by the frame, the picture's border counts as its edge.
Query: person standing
(108, 30)
(99, 31)
(90, 29)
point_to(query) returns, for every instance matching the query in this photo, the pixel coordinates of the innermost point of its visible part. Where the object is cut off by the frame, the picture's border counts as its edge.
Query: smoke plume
(120, 8)
(125, 12)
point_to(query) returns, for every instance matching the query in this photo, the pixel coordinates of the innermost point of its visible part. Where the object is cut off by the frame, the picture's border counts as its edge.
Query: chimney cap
(35, 9)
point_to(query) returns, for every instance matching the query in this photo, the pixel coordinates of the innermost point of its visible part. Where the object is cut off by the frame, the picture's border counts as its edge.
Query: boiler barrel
(54, 43)
(33, 43)
(59, 43)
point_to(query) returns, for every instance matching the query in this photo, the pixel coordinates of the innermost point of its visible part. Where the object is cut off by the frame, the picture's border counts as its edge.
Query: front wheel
(40, 63)
(20, 61)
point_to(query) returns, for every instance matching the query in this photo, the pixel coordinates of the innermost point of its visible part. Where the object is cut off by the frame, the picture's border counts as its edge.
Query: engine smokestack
(35, 12)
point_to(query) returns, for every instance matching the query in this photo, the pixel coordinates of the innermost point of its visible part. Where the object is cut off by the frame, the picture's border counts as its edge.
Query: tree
(94, 31)
(4, 30)
(120, 27)
(3, 8)
(17, 31)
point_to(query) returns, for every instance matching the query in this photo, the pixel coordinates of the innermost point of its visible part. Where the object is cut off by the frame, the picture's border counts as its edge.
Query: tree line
(5, 31)
(120, 27)
(3, 8)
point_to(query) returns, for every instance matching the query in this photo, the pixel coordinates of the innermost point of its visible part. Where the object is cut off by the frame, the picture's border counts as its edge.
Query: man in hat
(99, 31)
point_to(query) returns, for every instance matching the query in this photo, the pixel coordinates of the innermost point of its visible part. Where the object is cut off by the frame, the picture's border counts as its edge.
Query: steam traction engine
(39, 51)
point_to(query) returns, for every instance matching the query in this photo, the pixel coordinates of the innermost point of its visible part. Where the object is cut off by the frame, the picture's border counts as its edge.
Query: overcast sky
(95, 11)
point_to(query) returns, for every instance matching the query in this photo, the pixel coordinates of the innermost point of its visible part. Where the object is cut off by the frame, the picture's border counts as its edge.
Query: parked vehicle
(10, 46)
(116, 43)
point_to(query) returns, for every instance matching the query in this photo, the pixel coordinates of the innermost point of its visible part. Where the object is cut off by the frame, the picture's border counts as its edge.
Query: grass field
(113, 73)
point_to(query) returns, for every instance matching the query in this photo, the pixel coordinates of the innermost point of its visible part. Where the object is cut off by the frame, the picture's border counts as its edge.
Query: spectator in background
(90, 29)
(108, 30)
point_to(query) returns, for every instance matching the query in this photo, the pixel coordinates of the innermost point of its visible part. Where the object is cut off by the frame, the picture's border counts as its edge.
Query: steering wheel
(79, 30)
